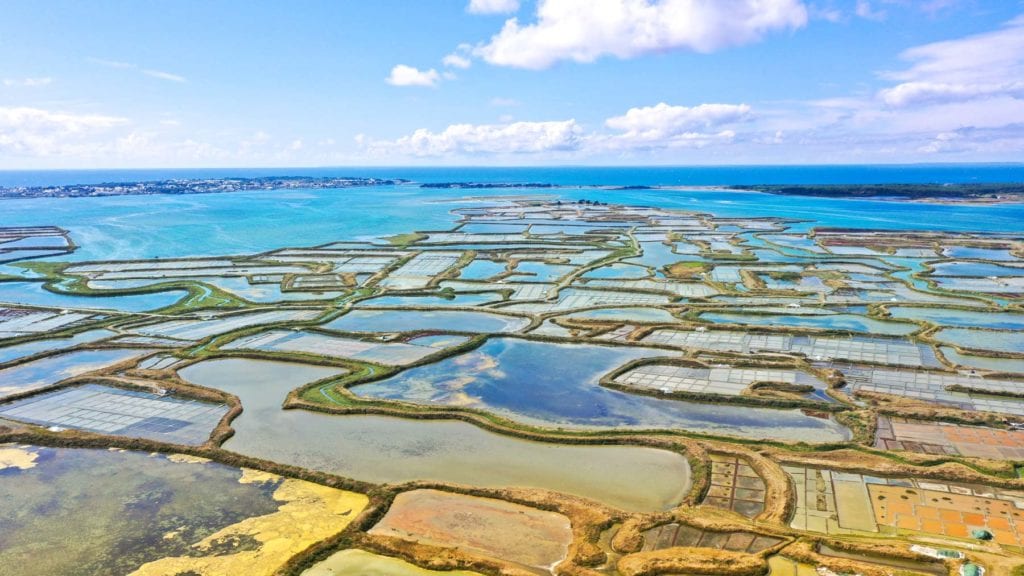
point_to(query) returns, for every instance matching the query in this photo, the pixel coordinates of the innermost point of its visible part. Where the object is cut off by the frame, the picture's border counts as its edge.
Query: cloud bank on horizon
(510, 82)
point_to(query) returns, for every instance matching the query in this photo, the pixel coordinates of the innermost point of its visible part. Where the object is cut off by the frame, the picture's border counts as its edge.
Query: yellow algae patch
(309, 514)
(186, 459)
(17, 457)
(250, 476)
(782, 566)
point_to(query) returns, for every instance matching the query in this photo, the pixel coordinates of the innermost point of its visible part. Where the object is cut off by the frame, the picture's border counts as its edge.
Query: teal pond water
(33, 294)
(961, 318)
(851, 322)
(529, 381)
(415, 320)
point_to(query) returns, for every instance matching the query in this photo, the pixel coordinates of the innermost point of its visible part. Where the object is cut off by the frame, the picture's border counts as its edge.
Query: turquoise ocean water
(213, 224)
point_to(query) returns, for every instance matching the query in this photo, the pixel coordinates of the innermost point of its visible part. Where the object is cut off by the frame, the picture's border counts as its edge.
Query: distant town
(189, 186)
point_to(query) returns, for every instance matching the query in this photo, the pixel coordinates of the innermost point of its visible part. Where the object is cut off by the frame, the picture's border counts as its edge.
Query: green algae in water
(104, 512)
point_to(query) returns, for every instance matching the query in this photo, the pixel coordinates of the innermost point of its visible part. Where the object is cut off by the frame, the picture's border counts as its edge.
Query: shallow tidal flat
(113, 513)
(393, 450)
(558, 385)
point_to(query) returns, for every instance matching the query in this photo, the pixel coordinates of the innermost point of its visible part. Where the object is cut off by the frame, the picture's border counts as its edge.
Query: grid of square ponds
(107, 410)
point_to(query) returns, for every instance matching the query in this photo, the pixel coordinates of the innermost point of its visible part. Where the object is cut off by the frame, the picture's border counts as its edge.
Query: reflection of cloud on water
(480, 363)
(463, 400)
(460, 383)
(17, 457)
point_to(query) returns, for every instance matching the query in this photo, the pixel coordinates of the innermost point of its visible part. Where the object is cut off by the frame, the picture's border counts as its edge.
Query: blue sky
(106, 84)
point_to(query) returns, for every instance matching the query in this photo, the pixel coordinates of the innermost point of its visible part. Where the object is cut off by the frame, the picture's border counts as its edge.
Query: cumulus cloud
(38, 132)
(585, 30)
(492, 6)
(653, 127)
(663, 120)
(911, 93)
(402, 75)
(27, 82)
(987, 65)
(473, 139)
(665, 126)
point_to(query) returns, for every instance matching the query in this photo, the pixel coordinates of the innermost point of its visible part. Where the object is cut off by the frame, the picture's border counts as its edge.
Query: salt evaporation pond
(961, 318)
(32, 347)
(393, 450)
(528, 381)
(414, 320)
(851, 322)
(998, 341)
(52, 369)
(33, 294)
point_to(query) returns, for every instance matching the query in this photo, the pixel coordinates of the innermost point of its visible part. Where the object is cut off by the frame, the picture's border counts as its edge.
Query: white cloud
(459, 58)
(456, 61)
(492, 6)
(111, 63)
(27, 82)
(646, 142)
(38, 132)
(585, 30)
(650, 128)
(973, 140)
(662, 120)
(402, 75)
(164, 75)
(665, 126)
(116, 64)
(914, 93)
(497, 139)
(864, 10)
(976, 67)
(827, 13)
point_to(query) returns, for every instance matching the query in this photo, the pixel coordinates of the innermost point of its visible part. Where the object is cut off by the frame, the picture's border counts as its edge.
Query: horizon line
(516, 166)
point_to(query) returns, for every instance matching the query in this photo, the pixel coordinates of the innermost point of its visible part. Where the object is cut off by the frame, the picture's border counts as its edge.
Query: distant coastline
(190, 186)
(954, 193)
(980, 193)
